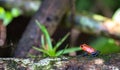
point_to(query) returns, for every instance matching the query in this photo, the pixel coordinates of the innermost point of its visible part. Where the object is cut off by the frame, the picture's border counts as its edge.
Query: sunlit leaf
(15, 12)
(8, 18)
(2, 13)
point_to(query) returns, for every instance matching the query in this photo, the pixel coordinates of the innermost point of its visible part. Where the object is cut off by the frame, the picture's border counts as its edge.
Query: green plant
(7, 16)
(47, 48)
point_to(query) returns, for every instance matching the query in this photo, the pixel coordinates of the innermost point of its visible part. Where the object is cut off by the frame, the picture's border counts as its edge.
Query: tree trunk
(49, 14)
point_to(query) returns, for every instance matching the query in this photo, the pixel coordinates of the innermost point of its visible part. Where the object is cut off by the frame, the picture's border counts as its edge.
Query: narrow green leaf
(60, 53)
(61, 41)
(42, 50)
(30, 55)
(42, 41)
(47, 36)
(69, 50)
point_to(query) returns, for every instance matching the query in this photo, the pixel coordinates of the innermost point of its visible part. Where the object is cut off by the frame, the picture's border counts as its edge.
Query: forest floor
(102, 62)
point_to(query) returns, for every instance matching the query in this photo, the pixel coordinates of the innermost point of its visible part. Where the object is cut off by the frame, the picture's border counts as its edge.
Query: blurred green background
(106, 8)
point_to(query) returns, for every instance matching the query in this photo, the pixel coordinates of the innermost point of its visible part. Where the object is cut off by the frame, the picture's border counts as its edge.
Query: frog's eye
(83, 45)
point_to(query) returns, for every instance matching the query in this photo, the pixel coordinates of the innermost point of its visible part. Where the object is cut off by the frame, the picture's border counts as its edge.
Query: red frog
(89, 49)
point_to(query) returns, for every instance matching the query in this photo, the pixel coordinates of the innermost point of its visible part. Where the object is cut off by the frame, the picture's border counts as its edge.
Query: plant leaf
(61, 41)
(52, 53)
(45, 32)
(8, 18)
(60, 53)
(42, 41)
(15, 12)
(42, 50)
(2, 13)
(68, 50)
(30, 55)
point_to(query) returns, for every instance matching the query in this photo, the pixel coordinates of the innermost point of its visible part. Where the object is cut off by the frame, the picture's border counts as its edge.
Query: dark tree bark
(49, 14)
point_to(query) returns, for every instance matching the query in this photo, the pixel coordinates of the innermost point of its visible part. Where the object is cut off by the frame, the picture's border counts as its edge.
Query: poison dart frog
(89, 50)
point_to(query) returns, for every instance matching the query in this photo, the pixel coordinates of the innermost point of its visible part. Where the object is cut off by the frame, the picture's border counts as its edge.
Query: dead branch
(96, 26)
